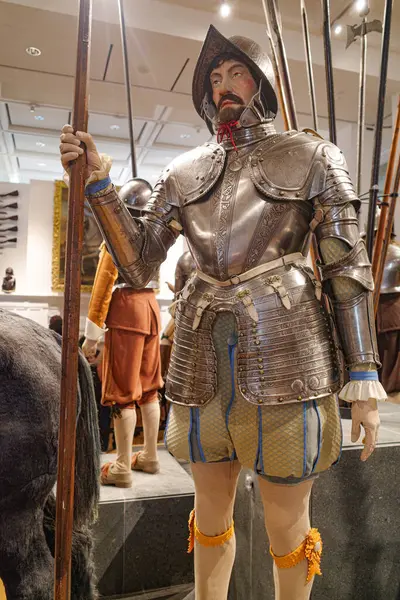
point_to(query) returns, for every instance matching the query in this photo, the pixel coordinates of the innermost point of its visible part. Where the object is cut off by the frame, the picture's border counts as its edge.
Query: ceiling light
(40, 144)
(39, 118)
(33, 51)
(185, 136)
(361, 5)
(114, 127)
(338, 29)
(41, 164)
(225, 10)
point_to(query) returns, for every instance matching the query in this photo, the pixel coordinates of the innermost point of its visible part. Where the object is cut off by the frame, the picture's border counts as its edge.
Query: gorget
(246, 136)
(287, 349)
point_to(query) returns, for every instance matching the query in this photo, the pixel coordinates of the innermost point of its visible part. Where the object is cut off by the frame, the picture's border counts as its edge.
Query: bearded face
(233, 87)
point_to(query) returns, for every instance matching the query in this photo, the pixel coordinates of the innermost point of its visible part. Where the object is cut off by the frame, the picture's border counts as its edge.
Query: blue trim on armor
(260, 458)
(341, 431)
(364, 376)
(231, 350)
(197, 412)
(190, 436)
(319, 436)
(166, 428)
(305, 439)
(97, 186)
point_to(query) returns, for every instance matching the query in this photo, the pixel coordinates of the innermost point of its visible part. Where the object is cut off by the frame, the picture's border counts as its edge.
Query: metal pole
(272, 17)
(127, 85)
(361, 101)
(373, 198)
(310, 73)
(69, 366)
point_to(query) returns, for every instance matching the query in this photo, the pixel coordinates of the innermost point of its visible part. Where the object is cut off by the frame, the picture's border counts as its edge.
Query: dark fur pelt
(30, 372)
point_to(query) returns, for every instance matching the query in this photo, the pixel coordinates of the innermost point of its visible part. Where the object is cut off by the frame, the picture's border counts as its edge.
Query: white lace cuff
(362, 390)
(93, 331)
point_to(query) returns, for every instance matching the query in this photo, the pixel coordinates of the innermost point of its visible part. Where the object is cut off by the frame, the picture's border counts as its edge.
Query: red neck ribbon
(225, 131)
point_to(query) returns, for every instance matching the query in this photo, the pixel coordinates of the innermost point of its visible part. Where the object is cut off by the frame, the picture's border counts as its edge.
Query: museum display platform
(141, 536)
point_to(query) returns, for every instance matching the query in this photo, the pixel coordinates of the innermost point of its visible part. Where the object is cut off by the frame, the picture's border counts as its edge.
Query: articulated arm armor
(138, 245)
(346, 269)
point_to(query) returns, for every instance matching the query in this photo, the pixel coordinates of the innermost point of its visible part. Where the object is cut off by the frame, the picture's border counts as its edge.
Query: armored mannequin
(388, 322)
(184, 269)
(131, 372)
(255, 363)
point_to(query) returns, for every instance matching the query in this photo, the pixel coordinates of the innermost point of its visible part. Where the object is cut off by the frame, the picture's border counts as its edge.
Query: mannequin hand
(365, 413)
(70, 149)
(89, 349)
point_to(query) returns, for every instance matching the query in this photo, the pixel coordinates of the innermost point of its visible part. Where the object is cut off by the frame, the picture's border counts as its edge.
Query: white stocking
(287, 520)
(215, 485)
(151, 424)
(124, 429)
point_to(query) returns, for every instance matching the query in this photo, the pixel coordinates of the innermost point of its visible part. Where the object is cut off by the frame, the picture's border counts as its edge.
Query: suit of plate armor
(247, 209)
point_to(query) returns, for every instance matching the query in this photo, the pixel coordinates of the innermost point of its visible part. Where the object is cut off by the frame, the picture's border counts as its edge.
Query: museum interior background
(37, 71)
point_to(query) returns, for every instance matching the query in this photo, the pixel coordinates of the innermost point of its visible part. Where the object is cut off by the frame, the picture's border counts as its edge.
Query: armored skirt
(271, 405)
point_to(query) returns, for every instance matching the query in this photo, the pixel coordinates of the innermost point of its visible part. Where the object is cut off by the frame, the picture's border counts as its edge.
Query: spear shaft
(310, 72)
(382, 238)
(69, 355)
(127, 85)
(374, 187)
(330, 92)
(272, 17)
(388, 232)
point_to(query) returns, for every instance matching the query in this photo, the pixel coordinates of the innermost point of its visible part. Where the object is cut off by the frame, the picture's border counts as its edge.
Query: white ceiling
(163, 47)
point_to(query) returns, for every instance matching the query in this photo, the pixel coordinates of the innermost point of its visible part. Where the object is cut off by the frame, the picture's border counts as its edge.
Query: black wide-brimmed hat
(248, 52)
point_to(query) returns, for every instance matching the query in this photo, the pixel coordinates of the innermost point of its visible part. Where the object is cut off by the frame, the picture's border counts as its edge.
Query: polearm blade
(127, 85)
(272, 17)
(310, 72)
(15, 228)
(14, 193)
(387, 235)
(14, 205)
(330, 91)
(376, 157)
(69, 366)
(381, 241)
(12, 218)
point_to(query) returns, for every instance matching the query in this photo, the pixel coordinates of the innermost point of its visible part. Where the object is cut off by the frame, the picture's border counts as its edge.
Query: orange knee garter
(311, 549)
(206, 540)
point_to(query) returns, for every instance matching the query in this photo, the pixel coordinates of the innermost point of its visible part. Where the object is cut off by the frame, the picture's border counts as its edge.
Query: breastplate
(235, 228)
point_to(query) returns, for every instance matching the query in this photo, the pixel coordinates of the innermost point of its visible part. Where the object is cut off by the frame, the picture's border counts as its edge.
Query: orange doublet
(106, 276)
(311, 549)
